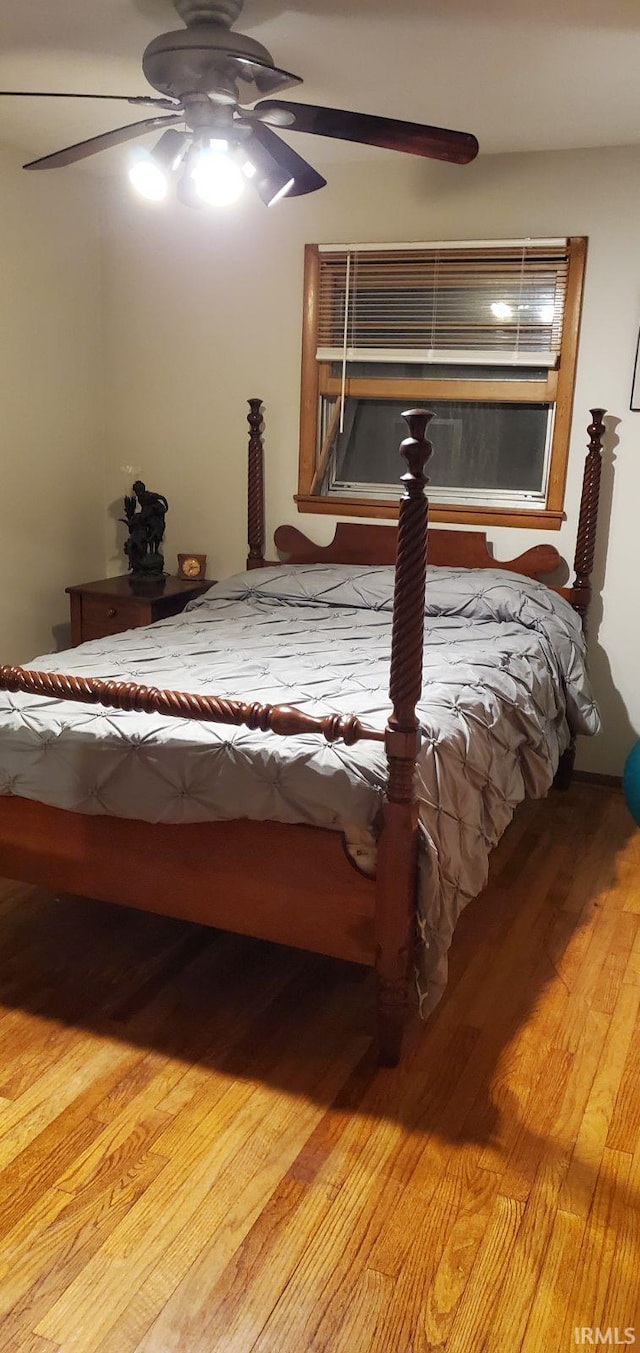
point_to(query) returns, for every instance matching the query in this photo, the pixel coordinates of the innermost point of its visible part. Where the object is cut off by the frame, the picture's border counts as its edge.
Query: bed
(161, 764)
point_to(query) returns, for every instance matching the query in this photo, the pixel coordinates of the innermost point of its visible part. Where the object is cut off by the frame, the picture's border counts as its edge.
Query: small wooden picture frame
(192, 567)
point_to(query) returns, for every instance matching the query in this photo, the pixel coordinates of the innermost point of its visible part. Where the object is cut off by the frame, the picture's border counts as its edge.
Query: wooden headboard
(367, 543)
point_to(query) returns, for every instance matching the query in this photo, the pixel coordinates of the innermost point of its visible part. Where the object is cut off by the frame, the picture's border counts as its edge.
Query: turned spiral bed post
(588, 518)
(255, 495)
(584, 556)
(398, 849)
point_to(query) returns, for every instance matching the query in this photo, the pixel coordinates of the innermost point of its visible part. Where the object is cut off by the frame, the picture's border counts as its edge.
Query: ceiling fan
(206, 75)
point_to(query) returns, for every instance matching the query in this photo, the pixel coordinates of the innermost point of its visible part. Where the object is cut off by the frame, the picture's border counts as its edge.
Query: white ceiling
(521, 74)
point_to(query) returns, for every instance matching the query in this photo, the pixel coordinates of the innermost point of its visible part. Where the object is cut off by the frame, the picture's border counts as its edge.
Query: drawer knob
(111, 612)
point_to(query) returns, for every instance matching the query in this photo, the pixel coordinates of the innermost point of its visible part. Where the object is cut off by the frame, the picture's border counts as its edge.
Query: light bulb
(217, 179)
(501, 310)
(149, 179)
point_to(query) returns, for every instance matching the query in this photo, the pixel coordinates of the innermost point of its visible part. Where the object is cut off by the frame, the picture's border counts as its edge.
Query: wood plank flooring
(199, 1155)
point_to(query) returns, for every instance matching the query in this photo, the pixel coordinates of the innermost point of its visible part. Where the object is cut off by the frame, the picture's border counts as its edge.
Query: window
(483, 333)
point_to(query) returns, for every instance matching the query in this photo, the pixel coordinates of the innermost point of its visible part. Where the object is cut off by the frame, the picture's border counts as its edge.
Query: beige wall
(52, 474)
(203, 311)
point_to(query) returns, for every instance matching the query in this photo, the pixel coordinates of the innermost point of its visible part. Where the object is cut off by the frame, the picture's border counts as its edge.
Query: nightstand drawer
(110, 605)
(111, 615)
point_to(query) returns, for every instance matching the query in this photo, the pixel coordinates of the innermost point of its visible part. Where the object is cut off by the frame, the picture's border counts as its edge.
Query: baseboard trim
(593, 777)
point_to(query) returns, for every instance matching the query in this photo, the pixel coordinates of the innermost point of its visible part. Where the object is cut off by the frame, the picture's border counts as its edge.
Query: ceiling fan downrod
(196, 12)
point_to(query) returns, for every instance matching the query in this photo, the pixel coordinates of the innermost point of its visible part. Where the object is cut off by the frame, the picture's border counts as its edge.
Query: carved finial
(254, 418)
(596, 429)
(415, 448)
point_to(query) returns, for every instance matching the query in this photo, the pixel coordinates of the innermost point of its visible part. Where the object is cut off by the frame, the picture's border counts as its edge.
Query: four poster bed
(292, 880)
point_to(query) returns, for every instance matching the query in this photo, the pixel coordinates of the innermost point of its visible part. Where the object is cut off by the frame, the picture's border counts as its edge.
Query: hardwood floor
(197, 1152)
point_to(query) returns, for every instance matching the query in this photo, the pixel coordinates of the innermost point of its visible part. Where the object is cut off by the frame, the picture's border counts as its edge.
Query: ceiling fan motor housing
(204, 59)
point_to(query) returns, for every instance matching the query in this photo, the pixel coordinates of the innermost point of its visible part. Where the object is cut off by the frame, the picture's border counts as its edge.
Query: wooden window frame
(558, 389)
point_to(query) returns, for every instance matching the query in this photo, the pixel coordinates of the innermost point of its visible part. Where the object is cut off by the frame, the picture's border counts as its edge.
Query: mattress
(504, 683)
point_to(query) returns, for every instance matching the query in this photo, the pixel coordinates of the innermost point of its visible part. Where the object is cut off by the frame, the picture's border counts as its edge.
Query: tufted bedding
(504, 679)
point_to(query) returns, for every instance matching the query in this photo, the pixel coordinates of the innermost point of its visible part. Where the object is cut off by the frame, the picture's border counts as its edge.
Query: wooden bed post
(588, 519)
(398, 849)
(584, 555)
(255, 492)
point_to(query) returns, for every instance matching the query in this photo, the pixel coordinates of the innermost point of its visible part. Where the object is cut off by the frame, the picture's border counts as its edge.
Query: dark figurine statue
(145, 514)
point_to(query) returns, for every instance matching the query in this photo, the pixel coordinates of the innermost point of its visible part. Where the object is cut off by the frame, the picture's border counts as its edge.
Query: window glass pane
(477, 446)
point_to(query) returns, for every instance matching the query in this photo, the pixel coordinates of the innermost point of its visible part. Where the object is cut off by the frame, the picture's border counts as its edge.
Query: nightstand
(110, 605)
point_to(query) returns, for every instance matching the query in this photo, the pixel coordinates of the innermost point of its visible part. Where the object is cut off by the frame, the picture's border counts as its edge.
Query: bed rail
(284, 720)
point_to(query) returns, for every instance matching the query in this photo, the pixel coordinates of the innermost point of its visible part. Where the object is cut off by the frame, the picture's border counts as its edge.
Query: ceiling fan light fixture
(150, 170)
(170, 150)
(271, 180)
(148, 178)
(217, 179)
(186, 191)
(272, 184)
(281, 192)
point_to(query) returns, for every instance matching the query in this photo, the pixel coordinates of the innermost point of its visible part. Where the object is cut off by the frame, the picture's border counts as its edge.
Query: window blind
(475, 302)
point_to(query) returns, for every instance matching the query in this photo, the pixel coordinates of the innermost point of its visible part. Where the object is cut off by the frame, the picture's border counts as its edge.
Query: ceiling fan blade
(435, 143)
(268, 151)
(146, 99)
(83, 149)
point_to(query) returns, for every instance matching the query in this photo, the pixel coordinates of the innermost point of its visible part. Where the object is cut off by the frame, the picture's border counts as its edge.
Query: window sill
(527, 518)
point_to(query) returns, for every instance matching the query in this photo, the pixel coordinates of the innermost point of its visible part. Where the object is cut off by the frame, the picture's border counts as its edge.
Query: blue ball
(631, 782)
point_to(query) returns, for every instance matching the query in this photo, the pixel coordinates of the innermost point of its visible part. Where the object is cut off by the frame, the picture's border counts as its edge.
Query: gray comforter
(504, 678)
